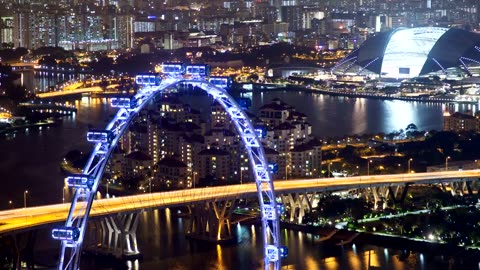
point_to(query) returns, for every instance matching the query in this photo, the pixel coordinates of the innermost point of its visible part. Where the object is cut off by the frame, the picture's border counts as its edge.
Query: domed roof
(407, 53)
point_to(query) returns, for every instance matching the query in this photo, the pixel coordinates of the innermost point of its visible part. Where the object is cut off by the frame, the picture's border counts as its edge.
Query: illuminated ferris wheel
(72, 234)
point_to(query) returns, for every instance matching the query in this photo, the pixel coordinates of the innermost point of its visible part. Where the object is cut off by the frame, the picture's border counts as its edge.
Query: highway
(23, 218)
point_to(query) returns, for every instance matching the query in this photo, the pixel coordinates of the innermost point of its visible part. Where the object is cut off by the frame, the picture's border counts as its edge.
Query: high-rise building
(293, 15)
(171, 172)
(215, 164)
(124, 30)
(6, 29)
(21, 29)
(459, 122)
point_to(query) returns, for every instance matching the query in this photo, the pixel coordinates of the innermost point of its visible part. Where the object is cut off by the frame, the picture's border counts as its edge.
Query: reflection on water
(37, 81)
(163, 246)
(338, 116)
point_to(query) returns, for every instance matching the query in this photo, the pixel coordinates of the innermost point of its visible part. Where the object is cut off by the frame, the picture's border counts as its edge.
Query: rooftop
(171, 162)
(138, 155)
(213, 152)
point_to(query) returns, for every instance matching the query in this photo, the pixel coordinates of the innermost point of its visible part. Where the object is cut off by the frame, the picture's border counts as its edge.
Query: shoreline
(291, 87)
(340, 238)
(343, 237)
(10, 130)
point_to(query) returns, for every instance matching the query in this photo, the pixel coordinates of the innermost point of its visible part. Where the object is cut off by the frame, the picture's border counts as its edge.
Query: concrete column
(118, 235)
(211, 220)
(299, 204)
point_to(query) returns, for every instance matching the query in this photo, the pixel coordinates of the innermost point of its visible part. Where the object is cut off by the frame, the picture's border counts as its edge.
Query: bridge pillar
(299, 204)
(382, 194)
(211, 220)
(115, 235)
(461, 188)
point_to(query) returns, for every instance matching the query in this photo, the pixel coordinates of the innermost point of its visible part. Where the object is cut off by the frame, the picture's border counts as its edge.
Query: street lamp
(286, 171)
(11, 204)
(25, 198)
(446, 163)
(330, 163)
(63, 194)
(410, 160)
(194, 173)
(368, 166)
(241, 175)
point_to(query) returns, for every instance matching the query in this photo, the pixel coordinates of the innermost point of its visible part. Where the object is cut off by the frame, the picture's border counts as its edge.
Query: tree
(103, 66)
(253, 77)
(16, 93)
(411, 127)
(47, 61)
(349, 153)
(7, 45)
(55, 52)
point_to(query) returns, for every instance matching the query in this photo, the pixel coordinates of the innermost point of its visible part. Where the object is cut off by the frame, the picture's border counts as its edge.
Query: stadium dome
(407, 53)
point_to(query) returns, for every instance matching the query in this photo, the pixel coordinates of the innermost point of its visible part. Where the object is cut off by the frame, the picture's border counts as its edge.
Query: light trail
(23, 218)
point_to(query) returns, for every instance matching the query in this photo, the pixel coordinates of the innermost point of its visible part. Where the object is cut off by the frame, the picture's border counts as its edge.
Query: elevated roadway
(24, 218)
(78, 91)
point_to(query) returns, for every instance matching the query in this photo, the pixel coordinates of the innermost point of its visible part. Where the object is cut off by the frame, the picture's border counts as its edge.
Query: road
(94, 89)
(23, 218)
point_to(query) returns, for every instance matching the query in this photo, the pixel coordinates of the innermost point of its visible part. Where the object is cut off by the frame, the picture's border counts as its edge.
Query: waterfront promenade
(350, 93)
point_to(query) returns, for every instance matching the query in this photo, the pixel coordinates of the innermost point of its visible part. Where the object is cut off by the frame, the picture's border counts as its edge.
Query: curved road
(25, 218)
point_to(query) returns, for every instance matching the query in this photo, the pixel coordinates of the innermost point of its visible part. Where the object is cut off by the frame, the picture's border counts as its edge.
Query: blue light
(283, 250)
(223, 82)
(66, 233)
(151, 17)
(124, 102)
(273, 168)
(80, 181)
(100, 136)
(261, 132)
(244, 103)
(197, 70)
(173, 69)
(148, 79)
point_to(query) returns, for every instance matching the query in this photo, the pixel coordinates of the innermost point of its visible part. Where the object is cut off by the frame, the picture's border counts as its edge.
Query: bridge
(24, 218)
(63, 93)
(77, 89)
(113, 225)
